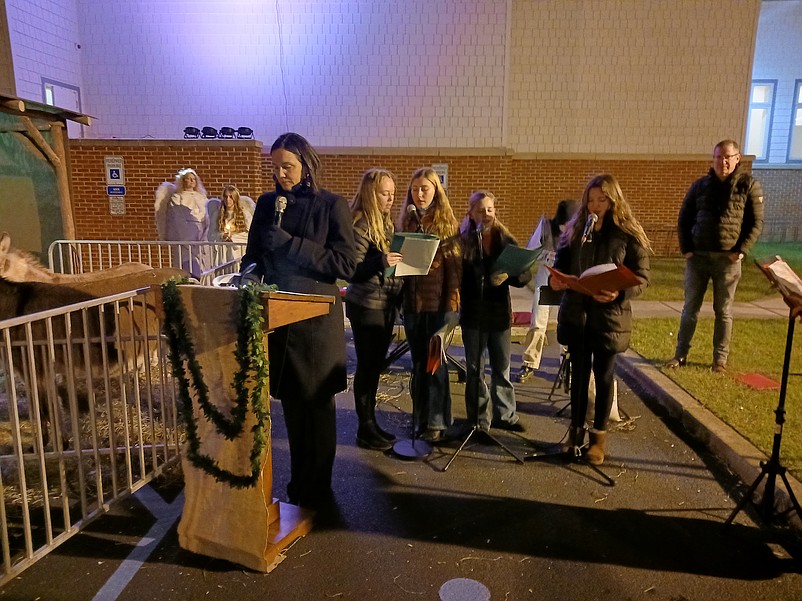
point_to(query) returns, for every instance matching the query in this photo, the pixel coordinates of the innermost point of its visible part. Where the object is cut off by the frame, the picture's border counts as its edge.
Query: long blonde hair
(444, 225)
(365, 207)
(239, 216)
(619, 208)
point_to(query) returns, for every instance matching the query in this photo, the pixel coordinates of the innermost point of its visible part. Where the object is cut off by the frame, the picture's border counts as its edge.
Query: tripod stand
(790, 286)
(563, 378)
(476, 428)
(413, 449)
(481, 338)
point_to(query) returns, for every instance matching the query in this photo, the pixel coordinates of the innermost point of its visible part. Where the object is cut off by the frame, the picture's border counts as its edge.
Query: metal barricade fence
(204, 260)
(88, 415)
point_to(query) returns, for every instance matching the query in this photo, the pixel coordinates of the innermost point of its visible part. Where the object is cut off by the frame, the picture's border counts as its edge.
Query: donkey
(107, 337)
(20, 266)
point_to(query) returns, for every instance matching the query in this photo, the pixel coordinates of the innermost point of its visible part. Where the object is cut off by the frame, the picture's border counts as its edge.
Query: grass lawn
(757, 346)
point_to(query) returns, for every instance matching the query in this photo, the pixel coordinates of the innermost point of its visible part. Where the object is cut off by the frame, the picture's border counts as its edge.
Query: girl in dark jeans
(431, 300)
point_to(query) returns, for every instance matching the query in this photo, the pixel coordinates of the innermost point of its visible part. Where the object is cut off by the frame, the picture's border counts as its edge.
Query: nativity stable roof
(18, 106)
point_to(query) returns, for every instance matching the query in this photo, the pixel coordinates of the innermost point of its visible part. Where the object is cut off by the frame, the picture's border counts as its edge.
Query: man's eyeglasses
(727, 157)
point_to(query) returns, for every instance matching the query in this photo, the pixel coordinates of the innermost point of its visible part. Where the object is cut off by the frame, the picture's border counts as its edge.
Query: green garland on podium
(253, 370)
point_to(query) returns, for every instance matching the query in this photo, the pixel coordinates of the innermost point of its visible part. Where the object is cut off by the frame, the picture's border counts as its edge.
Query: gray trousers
(700, 269)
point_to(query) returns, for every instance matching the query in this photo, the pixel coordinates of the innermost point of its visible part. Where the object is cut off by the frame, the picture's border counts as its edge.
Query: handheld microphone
(281, 204)
(413, 210)
(587, 235)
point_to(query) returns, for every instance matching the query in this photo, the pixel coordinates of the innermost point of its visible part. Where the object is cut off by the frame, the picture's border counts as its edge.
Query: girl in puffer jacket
(597, 328)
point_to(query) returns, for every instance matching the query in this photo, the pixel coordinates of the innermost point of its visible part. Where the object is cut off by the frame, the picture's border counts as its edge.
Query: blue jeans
(431, 395)
(699, 270)
(502, 393)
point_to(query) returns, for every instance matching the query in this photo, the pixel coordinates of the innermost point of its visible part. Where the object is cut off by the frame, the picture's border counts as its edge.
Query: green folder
(515, 260)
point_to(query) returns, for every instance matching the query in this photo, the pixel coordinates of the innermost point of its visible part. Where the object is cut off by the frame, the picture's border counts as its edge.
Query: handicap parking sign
(115, 171)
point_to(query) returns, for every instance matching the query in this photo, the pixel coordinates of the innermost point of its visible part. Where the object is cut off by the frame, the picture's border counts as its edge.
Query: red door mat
(758, 381)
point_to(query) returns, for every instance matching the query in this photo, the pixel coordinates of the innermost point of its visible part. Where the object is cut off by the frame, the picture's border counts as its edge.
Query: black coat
(307, 358)
(721, 216)
(370, 288)
(484, 306)
(582, 320)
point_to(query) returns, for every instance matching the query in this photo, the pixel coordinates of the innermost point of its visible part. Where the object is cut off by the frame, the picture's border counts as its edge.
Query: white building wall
(606, 76)
(614, 76)
(45, 44)
(343, 72)
(778, 56)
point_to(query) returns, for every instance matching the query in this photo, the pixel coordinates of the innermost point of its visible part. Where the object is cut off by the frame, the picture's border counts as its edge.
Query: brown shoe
(598, 447)
(719, 368)
(676, 362)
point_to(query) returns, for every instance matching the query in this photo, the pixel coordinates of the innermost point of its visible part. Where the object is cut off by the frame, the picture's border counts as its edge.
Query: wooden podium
(242, 525)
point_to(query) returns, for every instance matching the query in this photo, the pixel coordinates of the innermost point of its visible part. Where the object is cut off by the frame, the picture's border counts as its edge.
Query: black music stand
(790, 286)
(413, 449)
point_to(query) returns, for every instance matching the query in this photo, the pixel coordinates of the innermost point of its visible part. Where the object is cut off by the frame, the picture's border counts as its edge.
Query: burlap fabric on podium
(219, 520)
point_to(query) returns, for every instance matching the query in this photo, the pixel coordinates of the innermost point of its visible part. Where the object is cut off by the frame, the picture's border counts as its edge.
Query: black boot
(368, 436)
(385, 434)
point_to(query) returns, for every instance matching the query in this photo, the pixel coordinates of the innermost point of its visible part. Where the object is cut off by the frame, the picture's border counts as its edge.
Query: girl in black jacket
(486, 316)
(373, 298)
(596, 328)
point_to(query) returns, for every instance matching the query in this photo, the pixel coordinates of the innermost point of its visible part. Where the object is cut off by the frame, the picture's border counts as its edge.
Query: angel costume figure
(181, 216)
(230, 221)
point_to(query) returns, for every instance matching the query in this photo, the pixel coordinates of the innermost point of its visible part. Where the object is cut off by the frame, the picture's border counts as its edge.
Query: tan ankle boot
(598, 447)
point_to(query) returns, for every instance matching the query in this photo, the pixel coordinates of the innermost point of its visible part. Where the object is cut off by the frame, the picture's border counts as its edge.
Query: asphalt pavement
(648, 524)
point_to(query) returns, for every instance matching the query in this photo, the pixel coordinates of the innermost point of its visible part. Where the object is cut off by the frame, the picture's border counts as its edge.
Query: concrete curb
(740, 455)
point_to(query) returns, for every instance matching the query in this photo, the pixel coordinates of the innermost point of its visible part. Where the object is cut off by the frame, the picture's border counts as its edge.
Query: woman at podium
(302, 240)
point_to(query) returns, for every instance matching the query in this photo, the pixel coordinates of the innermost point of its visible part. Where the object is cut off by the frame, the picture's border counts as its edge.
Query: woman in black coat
(311, 248)
(596, 328)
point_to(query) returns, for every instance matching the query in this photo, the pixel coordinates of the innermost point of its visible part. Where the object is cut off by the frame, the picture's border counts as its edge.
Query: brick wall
(148, 164)
(783, 192)
(526, 186)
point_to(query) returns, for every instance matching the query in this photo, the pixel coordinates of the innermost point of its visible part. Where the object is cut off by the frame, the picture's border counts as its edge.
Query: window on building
(758, 127)
(795, 139)
(49, 96)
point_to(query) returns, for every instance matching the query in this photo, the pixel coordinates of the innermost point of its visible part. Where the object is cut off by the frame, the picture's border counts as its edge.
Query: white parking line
(166, 514)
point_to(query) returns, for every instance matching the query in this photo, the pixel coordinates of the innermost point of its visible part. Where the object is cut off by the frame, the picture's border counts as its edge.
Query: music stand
(790, 286)
(412, 449)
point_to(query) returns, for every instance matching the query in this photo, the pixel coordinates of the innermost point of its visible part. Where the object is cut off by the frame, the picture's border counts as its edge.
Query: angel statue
(181, 215)
(230, 220)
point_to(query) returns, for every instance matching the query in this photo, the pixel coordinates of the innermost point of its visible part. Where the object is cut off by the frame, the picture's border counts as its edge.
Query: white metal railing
(203, 260)
(88, 415)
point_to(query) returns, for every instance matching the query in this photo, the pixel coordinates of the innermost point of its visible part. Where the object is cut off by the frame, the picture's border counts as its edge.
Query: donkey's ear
(5, 242)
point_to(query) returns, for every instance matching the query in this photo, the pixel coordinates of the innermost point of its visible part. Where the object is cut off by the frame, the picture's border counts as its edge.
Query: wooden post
(57, 157)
